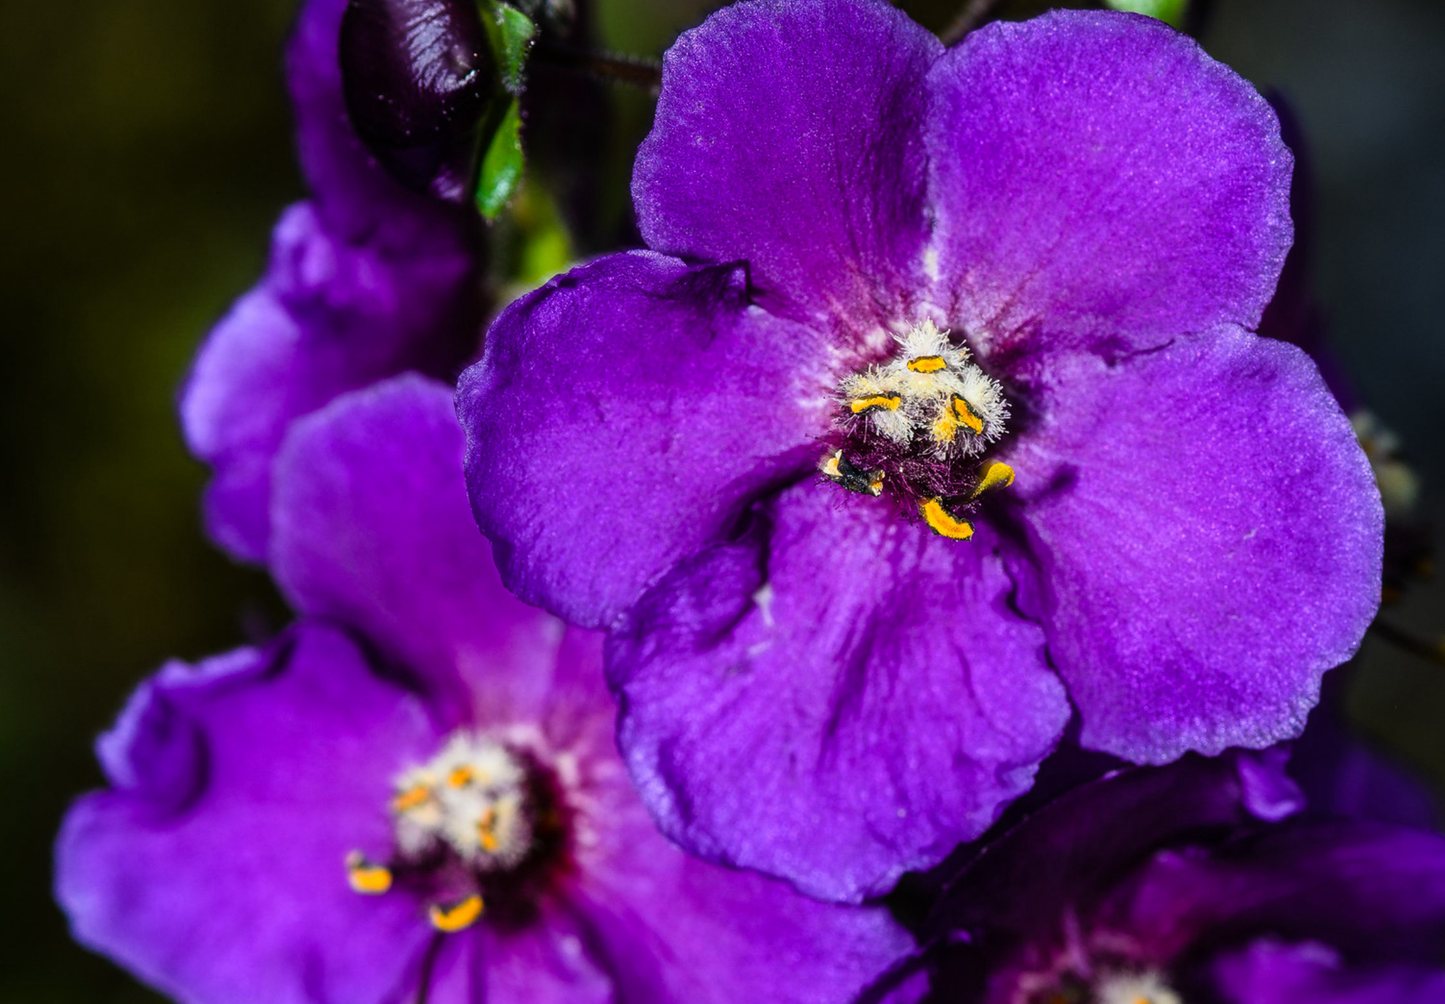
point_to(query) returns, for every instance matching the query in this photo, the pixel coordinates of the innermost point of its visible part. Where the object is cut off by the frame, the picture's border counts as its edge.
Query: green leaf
(502, 164)
(1172, 11)
(511, 33)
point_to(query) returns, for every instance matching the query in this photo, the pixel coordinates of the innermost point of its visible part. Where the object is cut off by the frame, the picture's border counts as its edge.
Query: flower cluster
(929, 439)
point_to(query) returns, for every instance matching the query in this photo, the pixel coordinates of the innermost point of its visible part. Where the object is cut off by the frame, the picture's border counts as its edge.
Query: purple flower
(416, 785)
(366, 280)
(885, 277)
(1165, 885)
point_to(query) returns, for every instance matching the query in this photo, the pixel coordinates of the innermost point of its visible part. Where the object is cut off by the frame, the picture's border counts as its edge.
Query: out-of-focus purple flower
(885, 278)
(366, 280)
(1162, 885)
(417, 784)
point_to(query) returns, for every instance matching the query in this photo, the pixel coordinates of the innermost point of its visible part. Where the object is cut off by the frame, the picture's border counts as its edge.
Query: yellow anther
(875, 402)
(837, 469)
(487, 831)
(927, 364)
(457, 917)
(957, 413)
(993, 474)
(964, 414)
(941, 522)
(412, 798)
(365, 877)
(460, 777)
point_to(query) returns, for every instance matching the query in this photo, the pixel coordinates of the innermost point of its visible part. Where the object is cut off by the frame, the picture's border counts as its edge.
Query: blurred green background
(146, 154)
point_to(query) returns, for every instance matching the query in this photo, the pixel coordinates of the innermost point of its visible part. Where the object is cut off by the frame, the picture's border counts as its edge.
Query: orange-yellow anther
(457, 917)
(460, 777)
(964, 414)
(365, 877)
(487, 831)
(876, 402)
(927, 364)
(993, 474)
(943, 523)
(412, 798)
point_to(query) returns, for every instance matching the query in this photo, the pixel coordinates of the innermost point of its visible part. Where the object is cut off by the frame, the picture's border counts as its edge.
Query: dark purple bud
(419, 76)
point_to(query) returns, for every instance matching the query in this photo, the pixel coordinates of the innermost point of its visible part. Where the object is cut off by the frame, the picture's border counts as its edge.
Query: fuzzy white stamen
(929, 389)
(472, 797)
(877, 395)
(1146, 987)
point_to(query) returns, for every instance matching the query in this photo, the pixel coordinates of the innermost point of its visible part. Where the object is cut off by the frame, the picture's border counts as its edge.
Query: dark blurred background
(146, 154)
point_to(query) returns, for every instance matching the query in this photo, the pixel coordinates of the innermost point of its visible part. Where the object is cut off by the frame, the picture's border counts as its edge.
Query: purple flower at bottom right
(1181, 884)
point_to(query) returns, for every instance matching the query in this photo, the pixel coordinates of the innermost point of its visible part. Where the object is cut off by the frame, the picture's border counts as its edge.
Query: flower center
(1116, 986)
(1146, 987)
(476, 827)
(918, 426)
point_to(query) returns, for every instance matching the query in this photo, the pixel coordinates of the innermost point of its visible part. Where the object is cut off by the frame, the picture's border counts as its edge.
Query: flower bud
(419, 76)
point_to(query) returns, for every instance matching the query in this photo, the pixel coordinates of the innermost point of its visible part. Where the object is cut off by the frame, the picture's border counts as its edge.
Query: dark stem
(1410, 642)
(630, 70)
(428, 963)
(969, 18)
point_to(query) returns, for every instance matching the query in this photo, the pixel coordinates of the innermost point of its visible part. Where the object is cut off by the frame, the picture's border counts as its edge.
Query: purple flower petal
(208, 871)
(549, 962)
(622, 419)
(1269, 972)
(1270, 793)
(679, 929)
(1377, 889)
(671, 927)
(1100, 182)
(1069, 854)
(666, 926)
(234, 417)
(328, 317)
(372, 529)
(1208, 538)
(835, 698)
(789, 134)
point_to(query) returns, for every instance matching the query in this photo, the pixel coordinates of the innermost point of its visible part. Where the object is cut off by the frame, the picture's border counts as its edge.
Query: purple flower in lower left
(413, 792)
